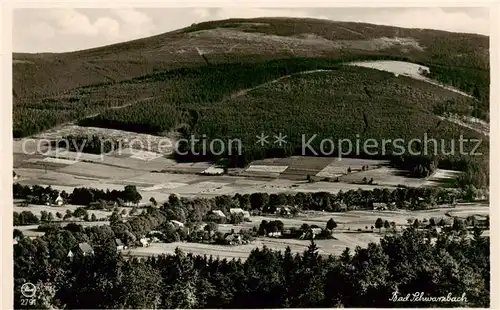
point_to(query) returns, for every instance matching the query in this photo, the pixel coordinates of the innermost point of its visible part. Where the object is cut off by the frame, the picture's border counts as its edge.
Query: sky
(66, 29)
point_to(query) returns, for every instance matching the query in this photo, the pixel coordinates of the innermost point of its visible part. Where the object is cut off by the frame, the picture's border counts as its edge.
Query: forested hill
(241, 77)
(246, 40)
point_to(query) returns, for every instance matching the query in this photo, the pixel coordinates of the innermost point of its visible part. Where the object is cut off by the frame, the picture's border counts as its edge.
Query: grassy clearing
(37, 209)
(98, 171)
(386, 176)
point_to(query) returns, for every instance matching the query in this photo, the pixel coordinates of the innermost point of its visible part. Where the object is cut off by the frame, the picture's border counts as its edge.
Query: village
(220, 230)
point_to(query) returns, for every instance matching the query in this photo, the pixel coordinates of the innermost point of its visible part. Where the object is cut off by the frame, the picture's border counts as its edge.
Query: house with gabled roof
(246, 214)
(85, 249)
(219, 213)
(177, 224)
(82, 248)
(59, 200)
(233, 239)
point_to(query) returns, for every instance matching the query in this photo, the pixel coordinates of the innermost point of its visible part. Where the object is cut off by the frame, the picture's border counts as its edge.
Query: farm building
(246, 214)
(316, 231)
(155, 234)
(213, 171)
(83, 248)
(284, 210)
(219, 213)
(15, 176)
(59, 201)
(274, 234)
(233, 239)
(144, 242)
(119, 245)
(379, 206)
(313, 232)
(177, 224)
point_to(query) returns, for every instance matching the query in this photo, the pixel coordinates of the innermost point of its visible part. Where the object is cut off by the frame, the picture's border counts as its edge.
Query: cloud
(40, 31)
(432, 18)
(134, 24)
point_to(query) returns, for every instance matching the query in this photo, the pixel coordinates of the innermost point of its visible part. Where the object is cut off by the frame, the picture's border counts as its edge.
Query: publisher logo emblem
(28, 290)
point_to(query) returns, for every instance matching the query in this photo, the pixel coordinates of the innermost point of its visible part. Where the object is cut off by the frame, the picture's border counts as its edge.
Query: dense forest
(362, 277)
(216, 101)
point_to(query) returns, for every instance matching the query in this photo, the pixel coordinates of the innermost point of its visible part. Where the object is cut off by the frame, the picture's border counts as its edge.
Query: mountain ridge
(43, 74)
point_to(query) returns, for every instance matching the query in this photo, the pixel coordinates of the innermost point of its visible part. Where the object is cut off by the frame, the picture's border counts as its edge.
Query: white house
(59, 201)
(144, 242)
(70, 254)
(177, 224)
(213, 171)
(274, 234)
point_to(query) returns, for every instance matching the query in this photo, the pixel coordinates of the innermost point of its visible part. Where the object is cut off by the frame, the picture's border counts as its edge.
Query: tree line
(37, 194)
(405, 262)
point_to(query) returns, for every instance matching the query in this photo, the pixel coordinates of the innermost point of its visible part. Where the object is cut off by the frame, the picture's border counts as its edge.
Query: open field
(340, 166)
(405, 69)
(37, 209)
(326, 247)
(442, 177)
(113, 172)
(31, 230)
(385, 176)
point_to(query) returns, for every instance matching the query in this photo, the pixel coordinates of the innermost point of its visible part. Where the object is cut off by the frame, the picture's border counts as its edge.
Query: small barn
(119, 245)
